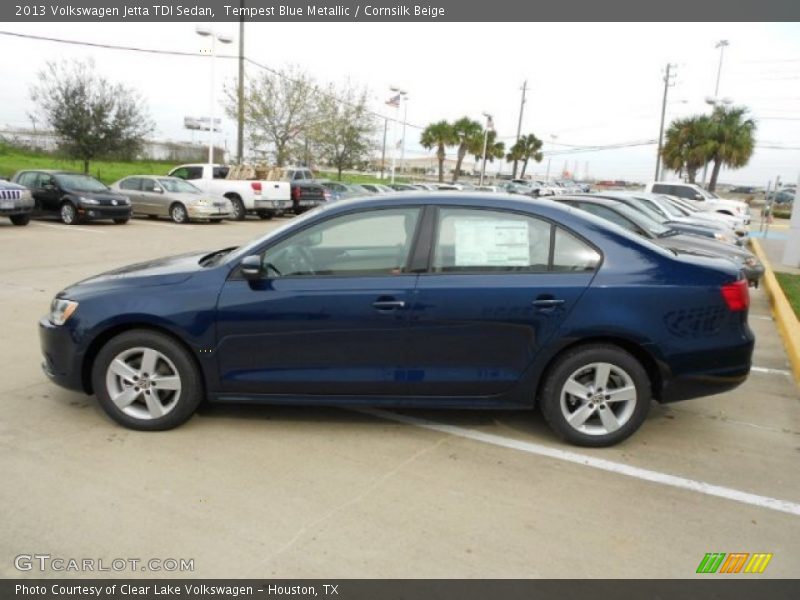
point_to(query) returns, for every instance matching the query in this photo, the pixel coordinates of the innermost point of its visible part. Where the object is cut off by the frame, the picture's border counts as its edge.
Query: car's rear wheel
(178, 213)
(68, 213)
(146, 380)
(265, 215)
(20, 219)
(237, 208)
(596, 395)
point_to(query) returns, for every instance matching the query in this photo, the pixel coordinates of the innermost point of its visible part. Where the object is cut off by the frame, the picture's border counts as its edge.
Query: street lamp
(489, 126)
(401, 96)
(222, 39)
(722, 44)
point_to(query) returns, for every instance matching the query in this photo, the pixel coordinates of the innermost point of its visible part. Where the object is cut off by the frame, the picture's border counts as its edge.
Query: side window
(188, 173)
(684, 192)
(470, 240)
(44, 179)
(182, 173)
(148, 185)
(609, 215)
(573, 254)
(376, 242)
(660, 188)
(27, 179)
(218, 173)
(131, 183)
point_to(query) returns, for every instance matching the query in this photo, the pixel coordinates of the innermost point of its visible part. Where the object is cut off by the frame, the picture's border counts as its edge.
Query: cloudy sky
(589, 84)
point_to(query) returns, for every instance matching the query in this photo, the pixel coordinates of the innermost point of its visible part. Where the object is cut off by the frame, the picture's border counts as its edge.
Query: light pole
(489, 126)
(716, 100)
(667, 84)
(401, 94)
(722, 44)
(222, 39)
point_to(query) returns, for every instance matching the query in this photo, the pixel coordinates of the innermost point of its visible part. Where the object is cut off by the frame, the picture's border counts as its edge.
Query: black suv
(74, 197)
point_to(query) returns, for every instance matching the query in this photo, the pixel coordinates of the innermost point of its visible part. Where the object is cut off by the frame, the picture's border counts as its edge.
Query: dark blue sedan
(414, 300)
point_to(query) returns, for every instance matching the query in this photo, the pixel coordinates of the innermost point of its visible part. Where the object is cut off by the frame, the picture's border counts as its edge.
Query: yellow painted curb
(786, 320)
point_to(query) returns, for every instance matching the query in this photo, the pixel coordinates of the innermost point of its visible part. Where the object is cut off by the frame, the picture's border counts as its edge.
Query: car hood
(103, 197)
(162, 271)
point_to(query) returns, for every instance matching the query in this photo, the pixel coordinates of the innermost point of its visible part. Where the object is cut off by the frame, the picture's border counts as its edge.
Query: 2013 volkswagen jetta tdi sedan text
(415, 301)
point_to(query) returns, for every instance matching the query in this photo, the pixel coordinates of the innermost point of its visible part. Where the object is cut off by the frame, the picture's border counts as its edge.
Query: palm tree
(525, 148)
(494, 149)
(732, 140)
(687, 146)
(467, 132)
(438, 135)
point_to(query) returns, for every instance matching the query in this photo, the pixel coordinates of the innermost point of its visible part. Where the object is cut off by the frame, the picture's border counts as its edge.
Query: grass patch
(13, 160)
(359, 178)
(791, 287)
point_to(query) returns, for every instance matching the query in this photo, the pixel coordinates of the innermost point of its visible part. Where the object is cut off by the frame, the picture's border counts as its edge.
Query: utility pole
(383, 152)
(240, 92)
(668, 75)
(519, 123)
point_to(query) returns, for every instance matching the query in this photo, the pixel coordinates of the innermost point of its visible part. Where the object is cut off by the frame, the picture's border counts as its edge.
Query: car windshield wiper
(668, 233)
(211, 259)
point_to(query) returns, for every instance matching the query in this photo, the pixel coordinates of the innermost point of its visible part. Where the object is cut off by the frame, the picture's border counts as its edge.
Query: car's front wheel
(68, 213)
(20, 220)
(178, 214)
(146, 380)
(596, 395)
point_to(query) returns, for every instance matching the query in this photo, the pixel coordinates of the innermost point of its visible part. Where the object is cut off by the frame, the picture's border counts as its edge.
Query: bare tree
(343, 133)
(278, 109)
(92, 116)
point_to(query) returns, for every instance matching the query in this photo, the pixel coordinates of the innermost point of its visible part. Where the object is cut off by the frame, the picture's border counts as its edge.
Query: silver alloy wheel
(68, 213)
(237, 209)
(143, 383)
(598, 398)
(179, 213)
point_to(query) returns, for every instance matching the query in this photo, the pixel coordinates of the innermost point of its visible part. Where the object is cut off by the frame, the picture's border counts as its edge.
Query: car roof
(54, 172)
(601, 200)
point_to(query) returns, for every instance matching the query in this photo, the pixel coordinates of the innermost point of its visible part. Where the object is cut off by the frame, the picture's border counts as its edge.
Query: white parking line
(157, 224)
(69, 227)
(602, 464)
(772, 371)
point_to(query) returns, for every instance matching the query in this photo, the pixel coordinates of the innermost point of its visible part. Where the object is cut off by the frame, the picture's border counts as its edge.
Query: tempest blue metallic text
(437, 300)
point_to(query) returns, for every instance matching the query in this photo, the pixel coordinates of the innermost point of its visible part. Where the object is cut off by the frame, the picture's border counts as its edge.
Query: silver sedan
(155, 196)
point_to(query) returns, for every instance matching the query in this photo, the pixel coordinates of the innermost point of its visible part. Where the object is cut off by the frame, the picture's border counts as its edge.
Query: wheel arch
(108, 334)
(655, 372)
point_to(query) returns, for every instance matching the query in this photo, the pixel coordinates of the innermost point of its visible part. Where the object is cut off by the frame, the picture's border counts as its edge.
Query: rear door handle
(547, 302)
(388, 304)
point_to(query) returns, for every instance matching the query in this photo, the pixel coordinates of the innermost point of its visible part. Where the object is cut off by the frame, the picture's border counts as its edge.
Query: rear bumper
(272, 206)
(709, 372)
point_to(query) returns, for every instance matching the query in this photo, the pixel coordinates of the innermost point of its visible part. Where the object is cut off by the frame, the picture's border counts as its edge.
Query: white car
(261, 197)
(735, 223)
(700, 198)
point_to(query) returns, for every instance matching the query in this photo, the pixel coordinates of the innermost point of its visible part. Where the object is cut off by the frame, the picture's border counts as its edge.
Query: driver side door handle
(388, 304)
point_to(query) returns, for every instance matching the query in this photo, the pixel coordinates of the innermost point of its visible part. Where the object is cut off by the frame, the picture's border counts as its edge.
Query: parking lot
(251, 491)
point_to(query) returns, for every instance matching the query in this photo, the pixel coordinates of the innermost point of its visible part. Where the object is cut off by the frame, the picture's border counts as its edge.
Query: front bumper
(94, 212)
(10, 207)
(208, 212)
(62, 358)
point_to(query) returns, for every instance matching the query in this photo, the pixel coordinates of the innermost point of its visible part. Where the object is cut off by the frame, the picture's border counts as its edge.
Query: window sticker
(492, 243)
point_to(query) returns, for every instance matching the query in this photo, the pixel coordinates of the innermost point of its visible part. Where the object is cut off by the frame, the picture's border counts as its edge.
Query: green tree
(344, 130)
(494, 149)
(438, 135)
(526, 148)
(732, 140)
(278, 110)
(687, 145)
(467, 134)
(91, 116)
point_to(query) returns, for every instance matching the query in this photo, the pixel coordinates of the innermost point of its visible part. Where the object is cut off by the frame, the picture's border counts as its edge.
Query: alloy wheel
(598, 398)
(143, 383)
(68, 214)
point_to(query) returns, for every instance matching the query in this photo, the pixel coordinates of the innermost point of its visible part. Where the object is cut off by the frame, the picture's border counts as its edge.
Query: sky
(589, 84)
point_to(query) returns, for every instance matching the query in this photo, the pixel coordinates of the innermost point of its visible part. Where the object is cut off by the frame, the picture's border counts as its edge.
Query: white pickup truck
(701, 199)
(263, 198)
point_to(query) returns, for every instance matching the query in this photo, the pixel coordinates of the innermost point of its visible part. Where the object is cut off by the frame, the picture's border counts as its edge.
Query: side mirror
(251, 267)
(158, 190)
(49, 186)
(698, 197)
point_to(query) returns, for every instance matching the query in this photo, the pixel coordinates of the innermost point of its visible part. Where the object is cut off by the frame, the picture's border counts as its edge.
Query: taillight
(295, 193)
(736, 295)
(256, 185)
(327, 195)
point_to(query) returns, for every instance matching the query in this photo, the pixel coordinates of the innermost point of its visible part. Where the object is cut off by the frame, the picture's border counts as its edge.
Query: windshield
(669, 207)
(649, 212)
(178, 186)
(80, 183)
(642, 220)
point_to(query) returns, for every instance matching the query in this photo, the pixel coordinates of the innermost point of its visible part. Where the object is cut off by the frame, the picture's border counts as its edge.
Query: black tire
(122, 220)
(178, 213)
(266, 216)
(237, 208)
(152, 216)
(68, 213)
(581, 358)
(188, 398)
(20, 219)
(215, 221)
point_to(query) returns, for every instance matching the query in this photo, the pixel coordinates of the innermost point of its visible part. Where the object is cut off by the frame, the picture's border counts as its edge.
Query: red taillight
(736, 295)
(295, 193)
(256, 185)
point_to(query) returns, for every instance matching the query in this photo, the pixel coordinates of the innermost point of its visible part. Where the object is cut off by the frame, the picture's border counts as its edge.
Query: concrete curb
(788, 325)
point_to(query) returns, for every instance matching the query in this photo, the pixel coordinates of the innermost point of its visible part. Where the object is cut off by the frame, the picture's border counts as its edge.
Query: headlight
(722, 237)
(751, 261)
(61, 310)
(88, 200)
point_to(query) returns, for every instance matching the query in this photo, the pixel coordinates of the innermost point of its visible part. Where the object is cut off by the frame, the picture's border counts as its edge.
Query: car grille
(10, 194)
